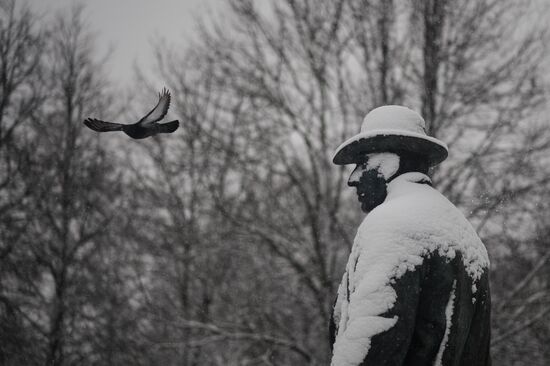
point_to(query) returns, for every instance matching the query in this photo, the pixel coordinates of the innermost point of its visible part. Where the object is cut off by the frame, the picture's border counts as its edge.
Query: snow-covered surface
(394, 117)
(386, 163)
(449, 322)
(394, 238)
(391, 120)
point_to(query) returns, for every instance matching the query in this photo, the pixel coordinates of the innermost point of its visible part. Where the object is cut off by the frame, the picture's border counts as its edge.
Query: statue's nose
(354, 176)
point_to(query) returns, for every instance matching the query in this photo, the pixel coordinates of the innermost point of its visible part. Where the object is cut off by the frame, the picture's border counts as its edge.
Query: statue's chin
(366, 208)
(371, 201)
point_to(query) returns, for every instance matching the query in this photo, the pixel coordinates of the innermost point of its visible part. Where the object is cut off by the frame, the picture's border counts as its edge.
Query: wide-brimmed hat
(391, 128)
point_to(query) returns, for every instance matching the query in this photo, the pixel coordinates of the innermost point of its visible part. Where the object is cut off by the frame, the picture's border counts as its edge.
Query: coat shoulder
(415, 221)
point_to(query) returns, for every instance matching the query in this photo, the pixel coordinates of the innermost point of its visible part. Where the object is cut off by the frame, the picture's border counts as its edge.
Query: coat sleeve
(420, 306)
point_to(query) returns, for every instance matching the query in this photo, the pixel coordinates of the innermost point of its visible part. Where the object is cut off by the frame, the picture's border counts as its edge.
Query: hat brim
(353, 150)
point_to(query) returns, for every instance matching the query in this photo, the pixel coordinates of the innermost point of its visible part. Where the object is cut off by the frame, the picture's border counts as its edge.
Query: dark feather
(102, 126)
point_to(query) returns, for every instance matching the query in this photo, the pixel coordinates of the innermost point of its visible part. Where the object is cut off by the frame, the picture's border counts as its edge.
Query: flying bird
(146, 126)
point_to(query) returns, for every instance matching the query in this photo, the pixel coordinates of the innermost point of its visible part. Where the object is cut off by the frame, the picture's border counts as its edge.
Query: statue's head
(392, 141)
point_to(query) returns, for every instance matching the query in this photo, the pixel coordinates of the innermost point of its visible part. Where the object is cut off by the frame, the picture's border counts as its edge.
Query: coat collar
(412, 177)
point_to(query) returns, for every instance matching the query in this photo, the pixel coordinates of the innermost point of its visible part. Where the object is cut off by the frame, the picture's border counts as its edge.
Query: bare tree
(63, 285)
(223, 243)
(20, 63)
(284, 85)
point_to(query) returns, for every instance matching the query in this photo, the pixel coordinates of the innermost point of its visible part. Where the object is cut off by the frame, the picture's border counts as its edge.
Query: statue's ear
(410, 162)
(398, 172)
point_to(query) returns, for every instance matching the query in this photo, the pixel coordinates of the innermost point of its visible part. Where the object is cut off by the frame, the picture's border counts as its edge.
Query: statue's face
(370, 178)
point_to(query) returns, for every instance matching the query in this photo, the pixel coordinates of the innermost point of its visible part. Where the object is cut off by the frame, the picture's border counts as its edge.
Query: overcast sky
(127, 27)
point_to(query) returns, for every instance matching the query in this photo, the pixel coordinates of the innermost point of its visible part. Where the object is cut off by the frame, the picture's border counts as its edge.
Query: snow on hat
(391, 128)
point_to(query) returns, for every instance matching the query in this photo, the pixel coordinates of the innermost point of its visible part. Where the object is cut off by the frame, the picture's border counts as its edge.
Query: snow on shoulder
(414, 221)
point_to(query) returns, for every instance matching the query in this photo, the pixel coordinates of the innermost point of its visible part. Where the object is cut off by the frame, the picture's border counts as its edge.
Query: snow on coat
(415, 290)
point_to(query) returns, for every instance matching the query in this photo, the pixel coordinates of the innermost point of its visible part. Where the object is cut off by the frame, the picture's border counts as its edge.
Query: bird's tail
(168, 127)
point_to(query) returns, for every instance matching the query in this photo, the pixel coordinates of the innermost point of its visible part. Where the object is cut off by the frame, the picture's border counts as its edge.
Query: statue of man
(416, 287)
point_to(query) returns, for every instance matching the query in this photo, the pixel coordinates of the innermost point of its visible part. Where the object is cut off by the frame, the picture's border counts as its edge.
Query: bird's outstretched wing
(102, 126)
(160, 109)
